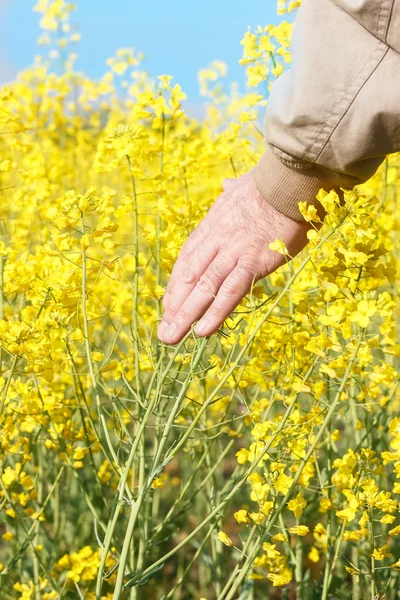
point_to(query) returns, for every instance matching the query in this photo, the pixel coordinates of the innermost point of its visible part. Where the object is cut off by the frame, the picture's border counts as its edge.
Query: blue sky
(177, 36)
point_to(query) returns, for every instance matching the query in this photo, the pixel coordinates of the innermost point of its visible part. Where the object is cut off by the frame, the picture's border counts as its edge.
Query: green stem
(237, 486)
(372, 541)
(121, 487)
(282, 505)
(299, 566)
(144, 489)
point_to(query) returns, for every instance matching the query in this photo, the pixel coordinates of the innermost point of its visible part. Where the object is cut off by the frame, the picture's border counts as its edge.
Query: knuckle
(205, 285)
(230, 286)
(171, 311)
(188, 276)
(249, 264)
(215, 311)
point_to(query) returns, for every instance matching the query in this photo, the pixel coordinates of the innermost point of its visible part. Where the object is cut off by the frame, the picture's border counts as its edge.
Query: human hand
(224, 255)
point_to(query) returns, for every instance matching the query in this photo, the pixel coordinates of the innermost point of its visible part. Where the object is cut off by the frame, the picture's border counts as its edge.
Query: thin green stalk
(190, 565)
(121, 487)
(135, 279)
(29, 538)
(282, 505)
(240, 562)
(135, 325)
(332, 565)
(237, 485)
(85, 429)
(137, 505)
(36, 571)
(76, 378)
(216, 546)
(89, 361)
(355, 578)
(372, 542)
(326, 580)
(172, 416)
(182, 494)
(299, 553)
(8, 382)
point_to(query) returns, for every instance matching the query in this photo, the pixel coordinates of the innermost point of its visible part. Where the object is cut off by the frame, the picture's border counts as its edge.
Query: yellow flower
(381, 553)
(325, 504)
(80, 453)
(157, 483)
(242, 456)
(270, 550)
(365, 310)
(267, 507)
(241, 516)
(283, 483)
(224, 539)
(355, 536)
(297, 504)
(299, 530)
(388, 519)
(281, 579)
(278, 246)
(279, 537)
(349, 513)
(257, 518)
(313, 555)
(85, 241)
(395, 530)
(9, 476)
(309, 212)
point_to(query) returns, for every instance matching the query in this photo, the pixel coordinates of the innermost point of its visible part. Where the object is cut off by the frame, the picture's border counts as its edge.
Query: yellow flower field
(261, 462)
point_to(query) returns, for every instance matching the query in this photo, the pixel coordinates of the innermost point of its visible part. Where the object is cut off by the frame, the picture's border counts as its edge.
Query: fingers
(233, 290)
(180, 316)
(185, 276)
(195, 242)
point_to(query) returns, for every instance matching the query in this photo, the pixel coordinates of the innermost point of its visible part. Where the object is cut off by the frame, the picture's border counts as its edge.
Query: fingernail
(170, 332)
(201, 327)
(161, 328)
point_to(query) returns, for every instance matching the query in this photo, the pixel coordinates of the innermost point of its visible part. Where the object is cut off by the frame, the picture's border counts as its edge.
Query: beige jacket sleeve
(333, 117)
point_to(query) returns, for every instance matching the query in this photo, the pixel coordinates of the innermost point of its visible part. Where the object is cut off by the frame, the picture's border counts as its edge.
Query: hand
(223, 257)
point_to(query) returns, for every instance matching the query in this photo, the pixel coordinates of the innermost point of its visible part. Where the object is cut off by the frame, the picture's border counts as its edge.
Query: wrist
(283, 184)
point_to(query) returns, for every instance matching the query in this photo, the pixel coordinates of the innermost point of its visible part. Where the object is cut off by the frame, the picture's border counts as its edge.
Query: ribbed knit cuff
(284, 185)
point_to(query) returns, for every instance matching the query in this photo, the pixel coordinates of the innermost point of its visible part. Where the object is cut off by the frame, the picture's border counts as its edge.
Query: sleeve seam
(380, 29)
(339, 111)
(387, 17)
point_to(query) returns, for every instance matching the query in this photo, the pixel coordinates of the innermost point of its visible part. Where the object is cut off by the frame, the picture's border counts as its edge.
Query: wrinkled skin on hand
(223, 257)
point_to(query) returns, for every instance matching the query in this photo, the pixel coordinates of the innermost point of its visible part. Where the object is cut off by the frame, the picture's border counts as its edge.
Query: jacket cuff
(283, 184)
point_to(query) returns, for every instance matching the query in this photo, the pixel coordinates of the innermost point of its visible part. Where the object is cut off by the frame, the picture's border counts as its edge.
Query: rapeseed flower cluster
(264, 460)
